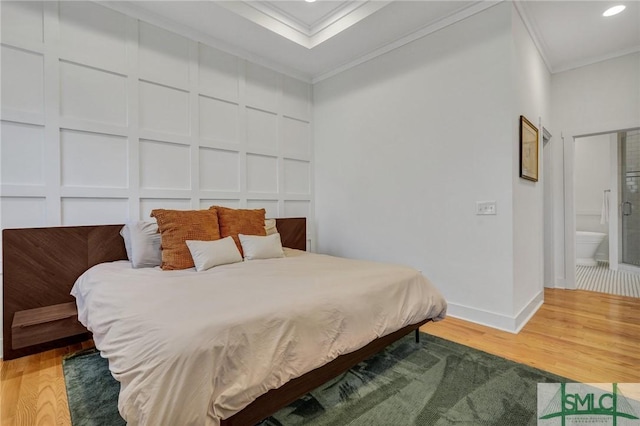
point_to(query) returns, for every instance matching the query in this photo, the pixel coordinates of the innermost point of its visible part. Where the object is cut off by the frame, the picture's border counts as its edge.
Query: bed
(267, 331)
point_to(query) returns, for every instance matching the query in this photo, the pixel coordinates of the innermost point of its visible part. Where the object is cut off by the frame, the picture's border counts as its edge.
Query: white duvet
(191, 348)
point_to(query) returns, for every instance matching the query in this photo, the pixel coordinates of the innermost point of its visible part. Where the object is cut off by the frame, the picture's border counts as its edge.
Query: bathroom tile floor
(603, 280)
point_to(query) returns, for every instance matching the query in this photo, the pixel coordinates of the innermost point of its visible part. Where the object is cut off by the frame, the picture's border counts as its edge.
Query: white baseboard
(494, 319)
(480, 316)
(528, 311)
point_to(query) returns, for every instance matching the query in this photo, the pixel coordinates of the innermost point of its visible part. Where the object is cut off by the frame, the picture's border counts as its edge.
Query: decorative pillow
(270, 226)
(261, 247)
(240, 221)
(207, 254)
(142, 242)
(178, 226)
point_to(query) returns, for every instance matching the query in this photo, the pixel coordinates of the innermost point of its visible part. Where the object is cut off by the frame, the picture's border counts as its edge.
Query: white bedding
(191, 348)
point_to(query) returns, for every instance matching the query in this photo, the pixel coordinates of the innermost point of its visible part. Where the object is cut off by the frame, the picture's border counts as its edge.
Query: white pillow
(142, 242)
(270, 226)
(256, 247)
(207, 254)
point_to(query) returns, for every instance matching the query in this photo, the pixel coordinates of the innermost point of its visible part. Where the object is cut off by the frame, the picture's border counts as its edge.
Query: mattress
(192, 348)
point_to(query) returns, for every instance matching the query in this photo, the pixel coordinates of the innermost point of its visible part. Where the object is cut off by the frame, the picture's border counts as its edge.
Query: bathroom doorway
(607, 212)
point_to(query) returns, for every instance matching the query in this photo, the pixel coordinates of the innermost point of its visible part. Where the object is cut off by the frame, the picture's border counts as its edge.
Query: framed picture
(528, 150)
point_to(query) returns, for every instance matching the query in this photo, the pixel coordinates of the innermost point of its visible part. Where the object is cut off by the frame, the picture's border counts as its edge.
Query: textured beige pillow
(240, 221)
(178, 226)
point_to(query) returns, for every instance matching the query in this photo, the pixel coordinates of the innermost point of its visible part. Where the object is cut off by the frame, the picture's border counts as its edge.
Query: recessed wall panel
(164, 165)
(296, 209)
(22, 20)
(218, 73)
(263, 87)
(219, 170)
(218, 120)
(22, 80)
(94, 211)
(296, 138)
(22, 149)
(149, 204)
(247, 146)
(93, 159)
(297, 177)
(296, 98)
(91, 94)
(163, 109)
(271, 207)
(262, 174)
(23, 212)
(232, 204)
(262, 129)
(94, 31)
(164, 56)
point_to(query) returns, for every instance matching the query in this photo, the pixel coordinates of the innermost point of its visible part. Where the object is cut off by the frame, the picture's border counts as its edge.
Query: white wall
(404, 147)
(597, 98)
(105, 117)
(531, 83)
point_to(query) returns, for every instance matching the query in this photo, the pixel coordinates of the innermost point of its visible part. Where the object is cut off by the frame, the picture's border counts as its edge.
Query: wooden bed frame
(276, 399)
(42, 264)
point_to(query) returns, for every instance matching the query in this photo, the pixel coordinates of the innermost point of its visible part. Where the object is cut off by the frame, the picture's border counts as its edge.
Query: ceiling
(574, 33)
(315, 40)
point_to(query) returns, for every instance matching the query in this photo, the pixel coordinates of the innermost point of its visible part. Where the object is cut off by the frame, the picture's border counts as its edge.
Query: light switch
(486, 207)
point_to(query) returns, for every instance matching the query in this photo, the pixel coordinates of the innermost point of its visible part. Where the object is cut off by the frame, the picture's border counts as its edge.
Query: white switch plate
(486, 207)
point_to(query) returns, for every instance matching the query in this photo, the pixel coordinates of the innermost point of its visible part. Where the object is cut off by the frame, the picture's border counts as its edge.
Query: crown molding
(309, 36)
(344, 10)
(270, 8)
(534, 32)
(334, 25)
(591, 61)
(269, 19)
(538, 40)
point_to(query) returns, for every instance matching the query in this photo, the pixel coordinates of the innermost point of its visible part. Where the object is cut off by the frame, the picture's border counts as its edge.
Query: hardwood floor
(32, 389)
(584, 336)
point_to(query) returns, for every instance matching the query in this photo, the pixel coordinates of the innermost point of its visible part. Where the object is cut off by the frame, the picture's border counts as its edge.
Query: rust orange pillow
(240, 221)
(178, 226)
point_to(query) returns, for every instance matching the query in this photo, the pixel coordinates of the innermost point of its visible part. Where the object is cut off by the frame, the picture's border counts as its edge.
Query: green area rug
(434, 382)
(91, 390)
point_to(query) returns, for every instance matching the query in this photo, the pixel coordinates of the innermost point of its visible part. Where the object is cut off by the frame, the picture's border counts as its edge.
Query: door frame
(569, 200)
(548, 210)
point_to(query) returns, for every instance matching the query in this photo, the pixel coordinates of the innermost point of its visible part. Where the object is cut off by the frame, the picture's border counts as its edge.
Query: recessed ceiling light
(614, 10)
(310, 1)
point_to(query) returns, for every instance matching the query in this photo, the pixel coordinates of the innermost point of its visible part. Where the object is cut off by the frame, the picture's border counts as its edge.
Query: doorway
(606, 217)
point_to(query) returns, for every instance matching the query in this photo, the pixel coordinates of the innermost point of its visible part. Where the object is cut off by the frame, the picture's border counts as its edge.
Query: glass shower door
(630, 207)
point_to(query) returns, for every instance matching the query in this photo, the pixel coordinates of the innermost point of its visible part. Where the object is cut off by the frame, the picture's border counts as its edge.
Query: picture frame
(528, 150)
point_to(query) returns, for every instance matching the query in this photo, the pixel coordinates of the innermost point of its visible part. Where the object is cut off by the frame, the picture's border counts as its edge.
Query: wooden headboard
(42, 264)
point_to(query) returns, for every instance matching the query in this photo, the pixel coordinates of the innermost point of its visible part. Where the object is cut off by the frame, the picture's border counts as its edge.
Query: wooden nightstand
(46, 324)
